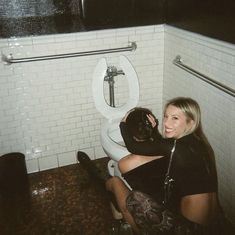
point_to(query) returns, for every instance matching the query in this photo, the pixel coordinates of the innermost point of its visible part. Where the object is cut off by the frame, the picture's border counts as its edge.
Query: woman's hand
(153, 120)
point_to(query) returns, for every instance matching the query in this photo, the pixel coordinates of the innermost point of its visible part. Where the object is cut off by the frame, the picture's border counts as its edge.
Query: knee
(122, 165)
(112, 182)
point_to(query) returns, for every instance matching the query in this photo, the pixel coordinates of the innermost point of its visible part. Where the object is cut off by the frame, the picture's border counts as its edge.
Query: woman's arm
(159, 146)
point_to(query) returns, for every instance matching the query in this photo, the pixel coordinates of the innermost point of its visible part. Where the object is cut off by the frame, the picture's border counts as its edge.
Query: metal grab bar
(177, 61)
(11, 60)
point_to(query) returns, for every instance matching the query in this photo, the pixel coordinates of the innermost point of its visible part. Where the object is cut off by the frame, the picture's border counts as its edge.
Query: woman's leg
(121, 191)
(132, 161)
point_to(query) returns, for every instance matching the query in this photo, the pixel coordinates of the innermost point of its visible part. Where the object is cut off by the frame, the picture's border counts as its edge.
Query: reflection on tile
(59, 201)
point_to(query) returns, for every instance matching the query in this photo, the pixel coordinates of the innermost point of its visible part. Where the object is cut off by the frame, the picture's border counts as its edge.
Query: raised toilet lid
(105, 109)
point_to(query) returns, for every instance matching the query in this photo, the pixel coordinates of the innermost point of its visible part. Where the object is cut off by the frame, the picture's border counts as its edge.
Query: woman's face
(175, 123)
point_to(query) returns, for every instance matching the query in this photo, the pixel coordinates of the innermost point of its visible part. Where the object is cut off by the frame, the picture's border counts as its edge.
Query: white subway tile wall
(216, 59)
(46, 107)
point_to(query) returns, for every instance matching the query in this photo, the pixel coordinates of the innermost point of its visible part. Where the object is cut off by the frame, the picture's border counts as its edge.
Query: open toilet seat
(105, 109)
(111, 138)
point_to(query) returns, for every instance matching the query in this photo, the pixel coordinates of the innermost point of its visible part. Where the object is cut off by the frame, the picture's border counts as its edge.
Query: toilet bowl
(113, 145)
(111, 139)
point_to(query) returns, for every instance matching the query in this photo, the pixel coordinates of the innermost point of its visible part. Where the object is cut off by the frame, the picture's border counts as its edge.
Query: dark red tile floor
(62, 201)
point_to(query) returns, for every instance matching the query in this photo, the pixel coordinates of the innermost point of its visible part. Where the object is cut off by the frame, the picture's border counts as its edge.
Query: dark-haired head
(138, 124)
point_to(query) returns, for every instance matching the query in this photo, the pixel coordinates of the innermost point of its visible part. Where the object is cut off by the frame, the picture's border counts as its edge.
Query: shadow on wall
(28, 17)
(212, 18)
(123, 13)
(32, 17)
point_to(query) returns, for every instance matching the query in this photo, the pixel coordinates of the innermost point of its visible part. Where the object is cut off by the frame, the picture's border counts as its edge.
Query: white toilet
(111, 138)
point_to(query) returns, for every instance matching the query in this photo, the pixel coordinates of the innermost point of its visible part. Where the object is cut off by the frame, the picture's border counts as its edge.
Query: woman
(191, 202)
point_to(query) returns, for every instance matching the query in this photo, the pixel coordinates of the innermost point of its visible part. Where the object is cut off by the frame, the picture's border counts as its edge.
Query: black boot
(91, 168)
(96, 175)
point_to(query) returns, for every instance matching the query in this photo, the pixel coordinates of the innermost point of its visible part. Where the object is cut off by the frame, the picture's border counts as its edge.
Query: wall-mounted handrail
(11, 60)
(178, 62)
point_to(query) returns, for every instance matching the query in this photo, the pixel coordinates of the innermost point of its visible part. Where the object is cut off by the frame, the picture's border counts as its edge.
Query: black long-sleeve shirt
(157, 146)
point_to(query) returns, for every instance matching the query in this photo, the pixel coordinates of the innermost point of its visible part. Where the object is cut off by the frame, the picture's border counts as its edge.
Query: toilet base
(113, 168)
(114, 171)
